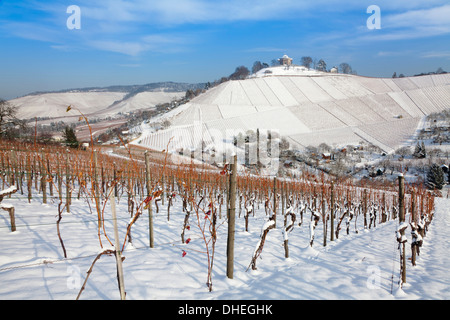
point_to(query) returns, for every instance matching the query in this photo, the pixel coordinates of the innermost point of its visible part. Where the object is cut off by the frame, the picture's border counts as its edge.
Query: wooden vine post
(275, 200)
(117, 246)
(43, 178)
(401, 237)
(96, 190)
(325, 221)
(68, 192)
(9, 208)
(414, 233)
(29, 177)
(149, 194)
(231, 219)
(332, 212)
(365, 207)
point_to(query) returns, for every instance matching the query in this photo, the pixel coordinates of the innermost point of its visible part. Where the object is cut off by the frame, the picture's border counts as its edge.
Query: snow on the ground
(363, 265)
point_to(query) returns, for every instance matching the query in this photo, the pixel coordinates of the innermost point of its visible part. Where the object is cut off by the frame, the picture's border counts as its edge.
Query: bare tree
(345, 68)
(306, 62)
(258, 65)
(8, 116)
(240, 73)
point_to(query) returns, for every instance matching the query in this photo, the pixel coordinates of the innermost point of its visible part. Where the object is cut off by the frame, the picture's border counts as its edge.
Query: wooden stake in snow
(325, 221)
(43, 178)
(8, 207)
(401, 238)
(68, 179)
(117, 246)
(332, 212)
(275, 201)
(149, 194)
(231, 220)
(96, 190)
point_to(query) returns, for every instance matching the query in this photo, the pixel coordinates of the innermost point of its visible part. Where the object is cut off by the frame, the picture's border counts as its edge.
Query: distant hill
(167, 86)
(100, 102)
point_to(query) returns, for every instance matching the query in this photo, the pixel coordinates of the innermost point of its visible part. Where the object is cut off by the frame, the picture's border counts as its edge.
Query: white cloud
(162, 43)
(127, 48)
(417, 23)
(394, 53)
(437, 54)
(436, 16)
(409, 25)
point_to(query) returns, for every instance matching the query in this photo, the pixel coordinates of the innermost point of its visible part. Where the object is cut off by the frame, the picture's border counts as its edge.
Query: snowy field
(363, 265)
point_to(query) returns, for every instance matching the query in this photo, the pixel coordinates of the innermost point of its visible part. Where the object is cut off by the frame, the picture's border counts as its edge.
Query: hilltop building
(285, 61)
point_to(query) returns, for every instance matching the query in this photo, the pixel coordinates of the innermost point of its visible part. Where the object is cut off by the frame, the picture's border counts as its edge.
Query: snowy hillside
(55, 104)
(96, 102)
(311, 107)
(363, 265)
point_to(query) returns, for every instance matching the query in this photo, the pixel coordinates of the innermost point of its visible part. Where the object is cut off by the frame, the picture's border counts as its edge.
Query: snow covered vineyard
(175, 240)
(361, 265)
(310, 108)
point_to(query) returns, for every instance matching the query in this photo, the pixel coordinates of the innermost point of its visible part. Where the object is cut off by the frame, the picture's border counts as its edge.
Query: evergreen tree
(435, 177)
(70, 138)
(419, 151)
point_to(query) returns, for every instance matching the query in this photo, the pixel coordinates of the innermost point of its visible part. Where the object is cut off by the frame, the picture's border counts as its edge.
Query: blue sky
(143, 41)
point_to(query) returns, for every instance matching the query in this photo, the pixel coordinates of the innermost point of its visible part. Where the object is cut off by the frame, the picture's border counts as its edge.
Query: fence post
(231, 220)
